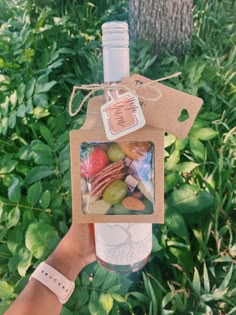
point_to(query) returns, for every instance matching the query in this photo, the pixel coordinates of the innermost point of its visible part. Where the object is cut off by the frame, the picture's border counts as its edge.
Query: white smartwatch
(55, 281)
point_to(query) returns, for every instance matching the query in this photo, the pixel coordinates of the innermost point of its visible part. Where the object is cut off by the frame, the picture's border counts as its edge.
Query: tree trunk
(167, 23)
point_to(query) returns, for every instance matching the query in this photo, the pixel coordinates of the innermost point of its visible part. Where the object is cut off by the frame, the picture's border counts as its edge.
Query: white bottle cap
(115, 34)
(115, 42)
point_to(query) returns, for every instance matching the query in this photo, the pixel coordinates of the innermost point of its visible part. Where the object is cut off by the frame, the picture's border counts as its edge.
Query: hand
(72, 254)
(75, 251)
(80, 238)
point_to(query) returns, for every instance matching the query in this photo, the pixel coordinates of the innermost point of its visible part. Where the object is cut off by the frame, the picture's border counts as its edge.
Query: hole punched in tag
(184, 115)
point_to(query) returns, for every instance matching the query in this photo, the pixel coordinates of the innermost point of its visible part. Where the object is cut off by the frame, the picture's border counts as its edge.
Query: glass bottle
(126, 247)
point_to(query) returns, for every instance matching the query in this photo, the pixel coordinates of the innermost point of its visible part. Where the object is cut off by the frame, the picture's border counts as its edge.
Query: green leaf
(4, 106)
(56, 64)
(12, 119)
(64, 159)
(42, 153)
(13, 217)
(4, 125)
(6, 290)
(82, 296)
(171, 181)
(99, 277)
(111, 280)
(184, 257)
(13, 99)
(4, 305)
(15, 238)
(197, 148)
(66, 311)
(172, 161)
(20, 93)
(175, 222)
(37, 238)
(21, 111)
(180, 144)
(227, 279)
(204, 134)
(169, 140)
(33, 193)
(47, 135)
(24, 153)
(28, 217)
(224, 259)
(196, 282)
(166, 300)
(115, 288)
(14, 193)
(45, 199)
(106, 301)
(41, 100)
(156, 247)
(8, 166)
(93, 303)
(118, 298)
(139, 296)
(37, 173)
(206, 278)
(42, 84)
(24, 258)
(5, 254)
(152, 296)
(232, 249)
(186, 167)
(186, 201)
(145, 282)
(217, 295)
(30, 88)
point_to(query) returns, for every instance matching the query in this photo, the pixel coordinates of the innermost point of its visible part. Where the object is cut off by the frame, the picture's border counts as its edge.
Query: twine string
(92, 88)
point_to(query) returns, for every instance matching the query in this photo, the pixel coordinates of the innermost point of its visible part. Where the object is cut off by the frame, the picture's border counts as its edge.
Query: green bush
(45, 49)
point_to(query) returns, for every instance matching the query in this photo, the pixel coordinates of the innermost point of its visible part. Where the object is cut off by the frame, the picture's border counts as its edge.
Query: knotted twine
(105, 87)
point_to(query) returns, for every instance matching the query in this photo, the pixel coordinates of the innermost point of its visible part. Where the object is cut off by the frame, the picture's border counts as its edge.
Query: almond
(133, 203)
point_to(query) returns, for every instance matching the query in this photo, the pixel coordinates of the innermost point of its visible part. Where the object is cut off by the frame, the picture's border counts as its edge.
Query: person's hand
(75, 250)
(80, 238)
(72, 254)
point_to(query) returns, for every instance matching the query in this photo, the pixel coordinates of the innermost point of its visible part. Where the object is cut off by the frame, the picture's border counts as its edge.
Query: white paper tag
(122, 115)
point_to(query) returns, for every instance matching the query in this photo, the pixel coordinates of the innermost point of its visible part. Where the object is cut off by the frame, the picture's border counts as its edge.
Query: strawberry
(93, 160)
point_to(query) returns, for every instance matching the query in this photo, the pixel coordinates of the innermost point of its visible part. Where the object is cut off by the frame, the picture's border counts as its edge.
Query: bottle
(126, 247)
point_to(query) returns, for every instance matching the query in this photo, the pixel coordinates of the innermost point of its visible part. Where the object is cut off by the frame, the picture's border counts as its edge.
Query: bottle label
(122, 115)
(123, 244)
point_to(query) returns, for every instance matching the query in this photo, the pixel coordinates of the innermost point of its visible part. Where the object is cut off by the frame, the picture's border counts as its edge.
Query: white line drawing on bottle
(133, 243)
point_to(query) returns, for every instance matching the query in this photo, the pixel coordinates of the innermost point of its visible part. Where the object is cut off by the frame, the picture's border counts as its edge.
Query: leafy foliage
(45, 49)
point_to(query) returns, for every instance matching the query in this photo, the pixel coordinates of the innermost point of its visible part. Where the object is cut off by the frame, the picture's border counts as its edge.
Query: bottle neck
(115, 41)
(115, 63)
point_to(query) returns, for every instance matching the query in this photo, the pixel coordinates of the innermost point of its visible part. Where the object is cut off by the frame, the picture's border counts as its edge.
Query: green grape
(115, 192)
(115, 153)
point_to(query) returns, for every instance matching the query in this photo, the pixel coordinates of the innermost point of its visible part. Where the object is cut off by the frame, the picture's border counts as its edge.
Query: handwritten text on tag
(122, 115)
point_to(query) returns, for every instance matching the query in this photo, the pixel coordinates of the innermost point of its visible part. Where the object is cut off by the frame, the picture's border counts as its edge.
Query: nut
(133, 203)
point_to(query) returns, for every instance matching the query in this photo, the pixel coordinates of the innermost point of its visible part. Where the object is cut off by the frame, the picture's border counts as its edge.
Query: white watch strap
(55, 281)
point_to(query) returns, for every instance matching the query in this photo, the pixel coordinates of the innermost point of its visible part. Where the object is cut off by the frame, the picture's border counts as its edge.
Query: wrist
(66, 261)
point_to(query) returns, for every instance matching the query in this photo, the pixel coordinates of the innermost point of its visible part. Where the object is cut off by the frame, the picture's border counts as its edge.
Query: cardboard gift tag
(173, 111)
(116, 181)
(121, 179)
(122, 115)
